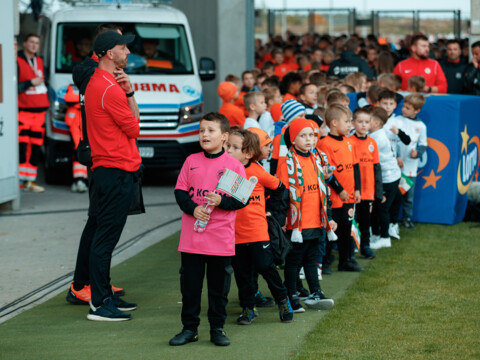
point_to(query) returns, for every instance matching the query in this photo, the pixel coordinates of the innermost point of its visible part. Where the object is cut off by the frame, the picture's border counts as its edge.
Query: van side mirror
(207, 70)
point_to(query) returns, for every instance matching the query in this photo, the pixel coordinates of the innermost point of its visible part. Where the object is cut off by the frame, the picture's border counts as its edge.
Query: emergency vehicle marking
(155, 87)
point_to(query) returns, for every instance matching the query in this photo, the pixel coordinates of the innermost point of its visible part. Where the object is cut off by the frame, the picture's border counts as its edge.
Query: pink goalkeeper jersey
(199, 176)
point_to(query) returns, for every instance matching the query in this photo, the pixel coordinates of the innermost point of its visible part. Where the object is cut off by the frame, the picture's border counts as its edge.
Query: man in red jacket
(419, 64)
(33, 104)
(109, 99)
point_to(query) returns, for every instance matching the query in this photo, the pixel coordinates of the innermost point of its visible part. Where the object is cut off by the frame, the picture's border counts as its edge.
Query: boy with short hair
(385, 211)
(408, 155)
(291, 83)
(266, 122)
(308, 96)
(307, 217)
(371, 175)
(358, 80)
(416, 84)
(346, 189)
(255, 105)
(337, 97)
(214, 247)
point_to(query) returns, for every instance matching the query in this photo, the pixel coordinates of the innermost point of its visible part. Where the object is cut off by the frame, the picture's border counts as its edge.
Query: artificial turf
(417, 300)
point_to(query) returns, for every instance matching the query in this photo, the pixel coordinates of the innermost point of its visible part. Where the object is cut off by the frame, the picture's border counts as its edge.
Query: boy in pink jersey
(212, 249)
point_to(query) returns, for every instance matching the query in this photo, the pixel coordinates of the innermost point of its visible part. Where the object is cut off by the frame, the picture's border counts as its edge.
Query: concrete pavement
(39, 242)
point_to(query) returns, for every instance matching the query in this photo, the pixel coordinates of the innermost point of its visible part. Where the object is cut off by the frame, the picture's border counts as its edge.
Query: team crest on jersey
(427, 71)
(350, 147)
(371, 148)
(458, 75)
(253, 180)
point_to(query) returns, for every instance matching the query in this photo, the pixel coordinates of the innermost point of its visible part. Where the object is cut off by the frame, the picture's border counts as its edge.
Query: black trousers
(343, 217)
(302, 254)
(219, 273)
(256, 257)
(385, 213)
(363, 218)
(114, 190)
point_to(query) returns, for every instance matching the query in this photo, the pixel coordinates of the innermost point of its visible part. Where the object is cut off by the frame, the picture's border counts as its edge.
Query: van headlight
(189, 114)
(59, 110)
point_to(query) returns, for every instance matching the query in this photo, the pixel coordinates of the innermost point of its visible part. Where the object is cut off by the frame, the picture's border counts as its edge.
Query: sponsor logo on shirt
(428, 70)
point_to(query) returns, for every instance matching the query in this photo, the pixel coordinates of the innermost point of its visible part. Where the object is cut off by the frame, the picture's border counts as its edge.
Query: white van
(162, 69)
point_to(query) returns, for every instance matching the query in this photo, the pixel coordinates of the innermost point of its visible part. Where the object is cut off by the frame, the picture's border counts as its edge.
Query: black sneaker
(319, 301)
(407, 223)
(285, 310)
(263, 301)
(246, 317)
(296, 307)
(302, 293)
(327, 268)
(349, 266)
(184, 337)
(219, 337)
(107, 312)
(367, 252)
(123, 305)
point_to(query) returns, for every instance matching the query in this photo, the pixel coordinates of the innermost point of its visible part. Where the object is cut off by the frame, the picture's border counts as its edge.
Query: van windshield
(157, 48)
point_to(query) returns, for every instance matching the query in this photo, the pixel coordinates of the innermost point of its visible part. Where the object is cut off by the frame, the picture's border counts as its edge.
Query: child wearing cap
(307, 217)
(228, 93)
(253, 252)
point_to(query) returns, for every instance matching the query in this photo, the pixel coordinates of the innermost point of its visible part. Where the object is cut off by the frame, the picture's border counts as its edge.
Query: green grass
(418, 300)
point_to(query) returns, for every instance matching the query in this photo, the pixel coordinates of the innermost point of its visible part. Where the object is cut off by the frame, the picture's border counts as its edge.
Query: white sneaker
(33, 187)
(385, 242)
(81, 186)
(302, 274)
(394, 231)
(375, 242)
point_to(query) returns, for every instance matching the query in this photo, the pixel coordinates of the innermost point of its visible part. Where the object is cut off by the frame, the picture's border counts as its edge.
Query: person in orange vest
(73, 118)
(33, 104)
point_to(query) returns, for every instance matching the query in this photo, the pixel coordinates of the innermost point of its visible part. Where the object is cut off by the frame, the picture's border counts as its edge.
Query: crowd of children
(321, 172)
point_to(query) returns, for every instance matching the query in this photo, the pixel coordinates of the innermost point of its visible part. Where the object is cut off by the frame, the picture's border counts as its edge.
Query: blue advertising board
(452, 159)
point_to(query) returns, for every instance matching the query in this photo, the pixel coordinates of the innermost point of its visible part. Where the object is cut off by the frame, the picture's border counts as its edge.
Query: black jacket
(349, 63)
(472, 80)
(455, 76)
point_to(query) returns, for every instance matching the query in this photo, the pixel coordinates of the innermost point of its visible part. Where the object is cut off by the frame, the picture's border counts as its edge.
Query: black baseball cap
(108, 40)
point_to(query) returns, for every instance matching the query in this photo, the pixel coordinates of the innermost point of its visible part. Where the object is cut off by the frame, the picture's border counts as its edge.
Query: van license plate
(146, 152)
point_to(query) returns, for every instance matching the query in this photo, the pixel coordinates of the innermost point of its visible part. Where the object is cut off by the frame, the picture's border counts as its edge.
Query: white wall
(9, 192)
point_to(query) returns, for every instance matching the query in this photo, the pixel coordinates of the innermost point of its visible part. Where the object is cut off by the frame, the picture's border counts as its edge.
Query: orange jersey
(251, 222)
(366, 150)
(288, 96)
(310, 204)
(233, 113)
(341, 154)
(282, 70)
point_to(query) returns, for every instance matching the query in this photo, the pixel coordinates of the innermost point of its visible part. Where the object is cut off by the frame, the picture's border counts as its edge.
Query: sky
(369, 5)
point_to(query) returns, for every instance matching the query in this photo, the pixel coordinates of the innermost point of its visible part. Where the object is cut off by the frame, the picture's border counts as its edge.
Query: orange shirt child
(228, 92)
(366, 150)
(340, 152)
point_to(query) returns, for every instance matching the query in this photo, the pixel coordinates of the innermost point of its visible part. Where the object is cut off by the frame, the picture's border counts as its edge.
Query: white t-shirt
(388, 161)
(267, 124)
(417, 131)
(250, 122)
(394, 139)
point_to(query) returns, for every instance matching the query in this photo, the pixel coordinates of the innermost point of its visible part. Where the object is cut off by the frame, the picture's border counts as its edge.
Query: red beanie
(298, 125)
(276, 111)
(227, 90)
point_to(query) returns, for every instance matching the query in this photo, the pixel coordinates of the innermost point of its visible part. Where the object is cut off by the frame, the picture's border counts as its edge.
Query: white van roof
(111, 13)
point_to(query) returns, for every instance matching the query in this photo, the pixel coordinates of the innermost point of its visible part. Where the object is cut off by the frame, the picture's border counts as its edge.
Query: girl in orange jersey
(252, 242)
